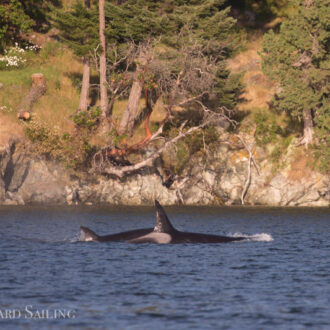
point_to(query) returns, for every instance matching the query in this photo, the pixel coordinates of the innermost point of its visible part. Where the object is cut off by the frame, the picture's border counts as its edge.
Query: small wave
(76, 238)
(262, 237)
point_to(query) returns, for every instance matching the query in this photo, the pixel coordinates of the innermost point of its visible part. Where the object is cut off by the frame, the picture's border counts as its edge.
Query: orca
(88, 235)
(162, 233)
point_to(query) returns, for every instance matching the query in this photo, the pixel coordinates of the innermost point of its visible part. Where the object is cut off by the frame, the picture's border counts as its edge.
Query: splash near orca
(162, 233)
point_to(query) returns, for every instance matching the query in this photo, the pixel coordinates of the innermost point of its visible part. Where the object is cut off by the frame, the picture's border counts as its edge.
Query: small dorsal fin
(87, 235)
(163, 224)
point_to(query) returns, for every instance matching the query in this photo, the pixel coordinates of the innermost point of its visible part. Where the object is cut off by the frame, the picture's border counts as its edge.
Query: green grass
(61, 99)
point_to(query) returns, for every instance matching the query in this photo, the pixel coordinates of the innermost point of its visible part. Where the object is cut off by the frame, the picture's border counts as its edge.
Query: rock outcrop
(26, 179)
(220, 180)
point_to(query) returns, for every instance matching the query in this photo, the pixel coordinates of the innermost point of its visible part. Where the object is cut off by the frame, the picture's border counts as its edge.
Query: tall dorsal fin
(163, 224)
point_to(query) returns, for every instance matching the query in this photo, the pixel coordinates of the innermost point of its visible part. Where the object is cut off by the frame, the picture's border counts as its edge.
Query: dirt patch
(9, 129)
(299, 168)
(259, 90)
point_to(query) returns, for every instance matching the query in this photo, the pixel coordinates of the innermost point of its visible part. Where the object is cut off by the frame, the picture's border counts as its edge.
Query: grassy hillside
(54, 112)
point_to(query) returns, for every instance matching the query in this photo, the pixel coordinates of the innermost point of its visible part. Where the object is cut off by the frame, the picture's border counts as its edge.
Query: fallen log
(37, 90)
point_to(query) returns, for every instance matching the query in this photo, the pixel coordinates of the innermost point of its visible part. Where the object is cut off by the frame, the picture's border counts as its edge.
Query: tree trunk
(131, 111)
(103, 69)
(37, 90)
(83, 104)
(308, 128)
(84, 92)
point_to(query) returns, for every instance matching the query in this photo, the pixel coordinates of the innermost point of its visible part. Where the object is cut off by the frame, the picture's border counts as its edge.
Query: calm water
(279, 278)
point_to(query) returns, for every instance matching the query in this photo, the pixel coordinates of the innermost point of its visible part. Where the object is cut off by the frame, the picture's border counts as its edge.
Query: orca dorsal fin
(163, 224)
(87, 235)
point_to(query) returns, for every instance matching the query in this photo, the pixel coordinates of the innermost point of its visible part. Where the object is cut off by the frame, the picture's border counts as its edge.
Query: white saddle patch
(159, 238)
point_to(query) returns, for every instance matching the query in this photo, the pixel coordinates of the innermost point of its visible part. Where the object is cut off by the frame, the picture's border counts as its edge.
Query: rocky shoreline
(27, 179)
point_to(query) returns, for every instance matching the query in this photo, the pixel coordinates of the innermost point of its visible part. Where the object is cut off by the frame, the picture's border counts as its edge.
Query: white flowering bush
(16, 57)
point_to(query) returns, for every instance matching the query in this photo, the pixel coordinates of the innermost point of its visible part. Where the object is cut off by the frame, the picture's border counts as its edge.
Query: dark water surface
(279, 278)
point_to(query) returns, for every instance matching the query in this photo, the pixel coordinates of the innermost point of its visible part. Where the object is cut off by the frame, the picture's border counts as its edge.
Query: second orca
(162, 233)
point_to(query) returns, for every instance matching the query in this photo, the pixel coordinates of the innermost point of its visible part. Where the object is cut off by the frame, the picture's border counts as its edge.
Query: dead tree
(181, 81)
(103, 66)
(84, 92)
(37, 90)
(143, 59)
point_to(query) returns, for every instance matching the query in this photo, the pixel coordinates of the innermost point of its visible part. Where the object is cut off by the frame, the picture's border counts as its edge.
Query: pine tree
(298, 59)
(13, 21)
(20, 16)
(205, 23)
(78, 30)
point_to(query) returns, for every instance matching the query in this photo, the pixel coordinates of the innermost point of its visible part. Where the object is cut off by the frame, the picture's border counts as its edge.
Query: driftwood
(37, 90)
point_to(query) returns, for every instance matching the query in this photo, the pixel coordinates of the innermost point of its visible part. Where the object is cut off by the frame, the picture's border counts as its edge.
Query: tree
(298, 59)
(136, 21)
(13, 21)
(189, 79)
(21, 16)
(78, 30)
(103, 64)
(206, 23)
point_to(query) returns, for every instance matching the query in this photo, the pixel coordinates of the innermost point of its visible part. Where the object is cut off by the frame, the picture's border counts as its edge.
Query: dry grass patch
(299, 168)
(9, 129)
(259, 90)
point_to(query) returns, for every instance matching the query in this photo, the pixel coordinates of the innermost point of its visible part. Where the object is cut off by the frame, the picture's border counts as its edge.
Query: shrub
(17, 57)
(267, 129)
(87, 119)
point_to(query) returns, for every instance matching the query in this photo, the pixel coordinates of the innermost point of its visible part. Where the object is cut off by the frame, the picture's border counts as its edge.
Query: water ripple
(278, 278)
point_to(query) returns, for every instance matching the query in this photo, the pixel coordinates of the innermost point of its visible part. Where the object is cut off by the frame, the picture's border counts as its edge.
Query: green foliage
(199, 140)
(50, 49)
(279, 150)
(263, 9)
(192, 144)
(298, 59)
(182, 157)
(267, 129)
(133, 20)
(17, 57)
(20, 16)
(208, 21)
(78, 28)
(38, 11)
(116, 139)
(73, 151)
(322, 155)
(13, 21)
(88, 119)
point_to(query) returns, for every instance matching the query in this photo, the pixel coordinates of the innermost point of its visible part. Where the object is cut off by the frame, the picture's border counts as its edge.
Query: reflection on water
(276, 279)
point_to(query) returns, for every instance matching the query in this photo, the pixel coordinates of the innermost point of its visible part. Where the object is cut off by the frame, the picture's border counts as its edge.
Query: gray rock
(2, 190)
(219, 180)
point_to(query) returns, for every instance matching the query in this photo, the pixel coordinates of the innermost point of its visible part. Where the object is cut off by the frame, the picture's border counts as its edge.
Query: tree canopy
(298, 59)
(19, 16)
(78, 28)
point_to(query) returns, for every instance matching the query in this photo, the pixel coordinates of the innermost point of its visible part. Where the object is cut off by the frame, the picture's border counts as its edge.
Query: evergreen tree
(13, 21)
(298, 59)
(203, 23)
(20, 16)
(78, 27)
(79, 31)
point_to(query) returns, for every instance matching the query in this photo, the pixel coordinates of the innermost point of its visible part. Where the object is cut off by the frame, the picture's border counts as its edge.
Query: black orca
(162, 233)
(88, 235)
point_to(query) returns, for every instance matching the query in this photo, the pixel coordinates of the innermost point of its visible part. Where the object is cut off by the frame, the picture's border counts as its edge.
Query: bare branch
(248, 180)
(121, 171)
